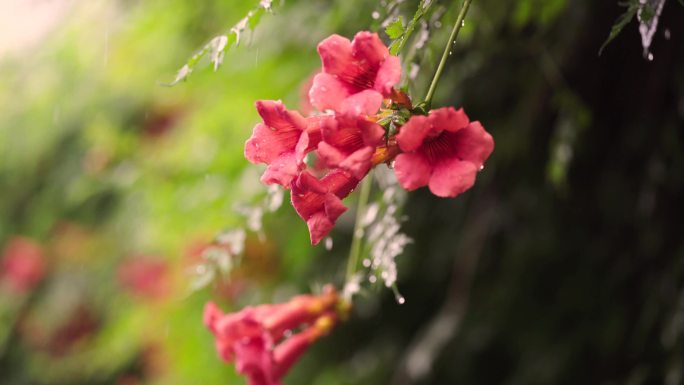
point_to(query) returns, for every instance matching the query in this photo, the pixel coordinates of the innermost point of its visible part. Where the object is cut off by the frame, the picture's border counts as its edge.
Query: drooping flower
(23, 264)
(319, 202)
(348, 142)
(256, 338)
(442, 150)
(281, 141)
(362, 69)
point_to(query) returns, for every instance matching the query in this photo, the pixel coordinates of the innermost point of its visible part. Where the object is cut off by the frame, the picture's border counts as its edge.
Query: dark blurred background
(563, 265)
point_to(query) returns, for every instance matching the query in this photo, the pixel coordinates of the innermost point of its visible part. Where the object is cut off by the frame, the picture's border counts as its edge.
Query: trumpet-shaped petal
(281, 142)
(319, 202)
(254, 338)
(351, 67)
(443, 150)
(348, 142)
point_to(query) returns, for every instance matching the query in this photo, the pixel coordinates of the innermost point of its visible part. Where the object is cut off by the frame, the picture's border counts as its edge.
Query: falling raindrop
(375, 15)
(650, 56)
(400, 299)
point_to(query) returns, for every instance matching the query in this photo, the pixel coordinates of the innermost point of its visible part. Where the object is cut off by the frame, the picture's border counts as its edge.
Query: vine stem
(357, 235)
(447, 50)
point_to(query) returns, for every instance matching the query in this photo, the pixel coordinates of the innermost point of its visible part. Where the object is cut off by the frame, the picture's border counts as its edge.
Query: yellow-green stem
(357, 235)
(447, 51)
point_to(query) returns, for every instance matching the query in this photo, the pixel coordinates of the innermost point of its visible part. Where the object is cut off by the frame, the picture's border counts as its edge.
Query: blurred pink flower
(255, 337)
(443, 150)
(319, 202)
(146, 277)
(23, 264)
(362, 68)
(349, 143)
(281, 141)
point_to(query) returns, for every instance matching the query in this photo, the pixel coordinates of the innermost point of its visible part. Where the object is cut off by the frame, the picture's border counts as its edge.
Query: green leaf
(400, 35)
(395, 28)
(219, 45)
(621, 22)
(255, 17)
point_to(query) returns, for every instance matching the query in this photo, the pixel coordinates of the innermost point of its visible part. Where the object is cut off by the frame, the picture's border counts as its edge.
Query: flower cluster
(262, 340)
(363, 121)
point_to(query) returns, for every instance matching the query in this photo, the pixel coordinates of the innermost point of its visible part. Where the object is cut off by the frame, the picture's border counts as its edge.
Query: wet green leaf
(621, 22)
(395, 28)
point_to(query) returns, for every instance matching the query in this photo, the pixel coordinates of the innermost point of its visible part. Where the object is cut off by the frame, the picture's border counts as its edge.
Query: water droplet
(375, 15)
(481, 167)
(667, 34)
(450, 53)
(366, 262)
(650, 56)
(328, 243)
(287, 333)
(462, 23)
(400, 299)
(372, 279)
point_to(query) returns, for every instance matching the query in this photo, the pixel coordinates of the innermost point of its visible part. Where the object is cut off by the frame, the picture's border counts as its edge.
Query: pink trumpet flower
(256, 338)
(442, 150)
(362, 69)
(281, 141)
(349, 143)
(319, 202)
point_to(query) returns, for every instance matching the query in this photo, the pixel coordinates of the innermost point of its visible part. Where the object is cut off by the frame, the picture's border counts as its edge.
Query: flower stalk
(357, 235)
(447, 51)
